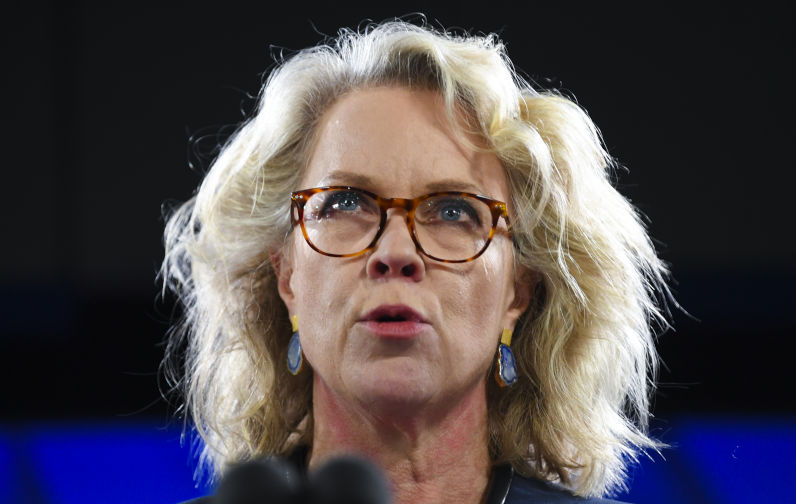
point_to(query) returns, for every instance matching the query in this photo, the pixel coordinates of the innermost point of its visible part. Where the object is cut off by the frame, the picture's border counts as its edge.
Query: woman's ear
(525, 282)
(283, 269)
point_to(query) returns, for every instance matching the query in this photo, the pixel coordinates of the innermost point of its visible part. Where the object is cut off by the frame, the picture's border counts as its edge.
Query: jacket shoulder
(530, 490)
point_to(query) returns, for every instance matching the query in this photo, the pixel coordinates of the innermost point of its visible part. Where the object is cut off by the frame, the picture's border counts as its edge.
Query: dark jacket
(507, 487)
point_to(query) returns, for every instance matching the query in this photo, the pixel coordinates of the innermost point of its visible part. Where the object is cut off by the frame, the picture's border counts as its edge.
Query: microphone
(267, 480)
(348, 480)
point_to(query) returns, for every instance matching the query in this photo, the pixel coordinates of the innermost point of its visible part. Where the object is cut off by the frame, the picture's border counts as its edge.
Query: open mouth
(393, 313)
(395, 322)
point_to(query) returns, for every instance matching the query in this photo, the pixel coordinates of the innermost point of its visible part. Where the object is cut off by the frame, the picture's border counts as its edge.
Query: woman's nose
(395, 254)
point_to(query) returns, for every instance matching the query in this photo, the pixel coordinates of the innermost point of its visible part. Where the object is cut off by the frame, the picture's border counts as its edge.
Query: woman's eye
(346, 202)
(451, 213)
(343, 202)
(450, 210)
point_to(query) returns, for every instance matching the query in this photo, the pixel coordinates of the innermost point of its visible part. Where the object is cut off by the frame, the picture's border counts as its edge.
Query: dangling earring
(506, 372)
(295, 357)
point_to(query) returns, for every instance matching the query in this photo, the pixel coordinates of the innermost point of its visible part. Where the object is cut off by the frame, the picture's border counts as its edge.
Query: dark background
(110, 112)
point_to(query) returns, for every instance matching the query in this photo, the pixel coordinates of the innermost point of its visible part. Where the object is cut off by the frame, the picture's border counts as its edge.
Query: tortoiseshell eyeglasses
(447, 226)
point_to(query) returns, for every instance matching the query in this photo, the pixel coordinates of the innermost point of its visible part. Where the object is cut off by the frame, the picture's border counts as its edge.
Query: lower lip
(396, 330)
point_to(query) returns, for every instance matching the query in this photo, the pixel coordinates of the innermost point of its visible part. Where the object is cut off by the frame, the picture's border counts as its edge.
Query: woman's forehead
(399, 143)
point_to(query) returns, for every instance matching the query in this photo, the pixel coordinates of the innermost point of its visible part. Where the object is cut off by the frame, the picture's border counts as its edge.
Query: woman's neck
(433, 454)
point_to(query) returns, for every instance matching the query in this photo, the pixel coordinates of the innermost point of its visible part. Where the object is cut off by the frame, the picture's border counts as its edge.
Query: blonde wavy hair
(584, 349)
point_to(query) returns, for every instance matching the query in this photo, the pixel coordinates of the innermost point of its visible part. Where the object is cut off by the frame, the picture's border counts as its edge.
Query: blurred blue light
(102, 462)
(742, 460)
(720, 460)
(726, 460)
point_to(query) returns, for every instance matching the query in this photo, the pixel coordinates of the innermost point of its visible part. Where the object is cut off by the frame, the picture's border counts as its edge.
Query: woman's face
(397, 143)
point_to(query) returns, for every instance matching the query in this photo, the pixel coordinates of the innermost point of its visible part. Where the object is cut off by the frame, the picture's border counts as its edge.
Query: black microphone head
(266, 480)
(348, 480)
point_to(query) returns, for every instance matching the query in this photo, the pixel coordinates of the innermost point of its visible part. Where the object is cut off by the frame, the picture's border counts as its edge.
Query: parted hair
(585, 353)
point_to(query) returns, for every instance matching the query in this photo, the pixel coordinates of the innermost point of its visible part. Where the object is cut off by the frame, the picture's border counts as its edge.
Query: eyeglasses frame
(299, 199)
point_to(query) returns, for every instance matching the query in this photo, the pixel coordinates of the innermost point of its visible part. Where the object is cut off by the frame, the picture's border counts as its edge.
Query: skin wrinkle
(416, 407)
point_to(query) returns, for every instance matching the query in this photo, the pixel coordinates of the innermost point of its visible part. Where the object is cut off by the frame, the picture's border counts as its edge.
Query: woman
(468, 292)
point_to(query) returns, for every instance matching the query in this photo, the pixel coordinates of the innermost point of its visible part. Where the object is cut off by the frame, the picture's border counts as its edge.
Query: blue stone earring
(295, 357)
(506, 373)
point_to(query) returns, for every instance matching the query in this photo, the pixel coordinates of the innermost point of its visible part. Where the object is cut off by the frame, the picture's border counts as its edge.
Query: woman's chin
(396, 384)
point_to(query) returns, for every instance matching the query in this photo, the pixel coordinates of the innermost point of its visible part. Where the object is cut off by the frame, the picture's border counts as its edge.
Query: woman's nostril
(407, 270)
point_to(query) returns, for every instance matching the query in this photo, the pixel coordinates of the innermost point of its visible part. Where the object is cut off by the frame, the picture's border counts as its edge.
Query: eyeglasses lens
(452, 227)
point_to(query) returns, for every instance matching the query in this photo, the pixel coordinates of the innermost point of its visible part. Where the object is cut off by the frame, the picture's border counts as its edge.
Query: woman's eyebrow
(452, 185)
(347, 178)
